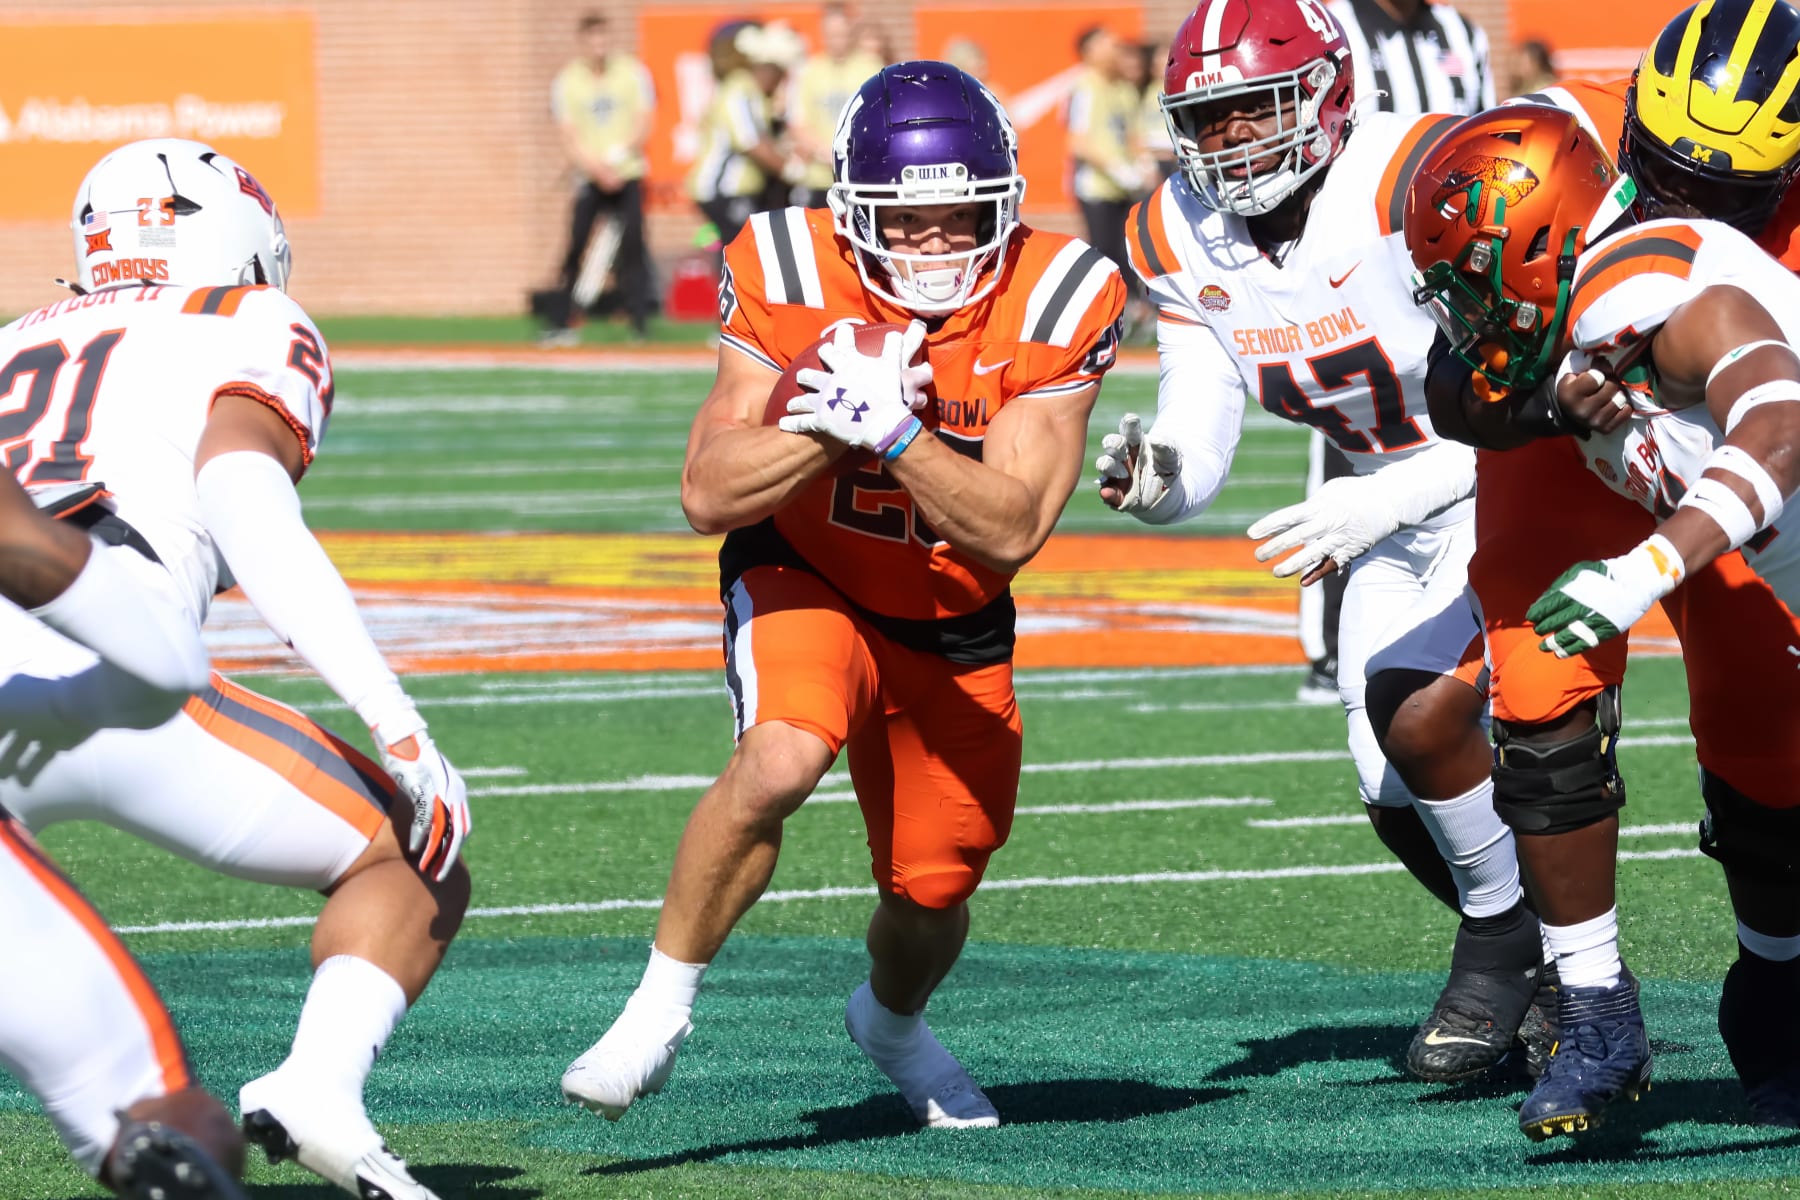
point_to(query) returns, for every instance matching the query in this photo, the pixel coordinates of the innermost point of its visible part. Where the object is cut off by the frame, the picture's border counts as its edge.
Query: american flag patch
(95, 222)
(1452, 63)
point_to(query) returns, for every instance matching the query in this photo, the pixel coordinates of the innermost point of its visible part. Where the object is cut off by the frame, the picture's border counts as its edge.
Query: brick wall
(442, 187)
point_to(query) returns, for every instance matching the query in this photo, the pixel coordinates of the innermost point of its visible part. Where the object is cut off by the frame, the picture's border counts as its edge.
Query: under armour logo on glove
(855, 409)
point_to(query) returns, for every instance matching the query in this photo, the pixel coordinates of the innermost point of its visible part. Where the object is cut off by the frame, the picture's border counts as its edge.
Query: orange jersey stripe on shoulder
(171, 1059)
(217, 301)
(1390, 195)
(1667, 249)
(1152, 253)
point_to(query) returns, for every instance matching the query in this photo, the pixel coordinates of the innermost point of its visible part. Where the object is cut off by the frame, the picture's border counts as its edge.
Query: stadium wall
(408, 141)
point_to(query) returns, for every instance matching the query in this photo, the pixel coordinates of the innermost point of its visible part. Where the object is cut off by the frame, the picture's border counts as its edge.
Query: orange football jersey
(1601, 106)
(1050, 327)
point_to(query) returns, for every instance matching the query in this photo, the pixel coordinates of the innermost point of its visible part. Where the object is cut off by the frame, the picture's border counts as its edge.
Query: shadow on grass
(451, 1181)
(1270, 1056)
(885, 1116)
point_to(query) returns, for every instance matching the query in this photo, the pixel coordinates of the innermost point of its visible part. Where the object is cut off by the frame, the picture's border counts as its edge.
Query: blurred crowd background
(474, 156)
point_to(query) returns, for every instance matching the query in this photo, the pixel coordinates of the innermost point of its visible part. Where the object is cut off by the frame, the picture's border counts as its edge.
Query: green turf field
(1193, 969)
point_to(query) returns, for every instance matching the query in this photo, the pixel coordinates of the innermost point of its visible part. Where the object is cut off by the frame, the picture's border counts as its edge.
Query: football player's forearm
(743, 474)
(986, 514)
(253, 513)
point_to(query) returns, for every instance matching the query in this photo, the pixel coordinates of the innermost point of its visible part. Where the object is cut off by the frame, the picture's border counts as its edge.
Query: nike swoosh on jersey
(1339, 281)
(1434, 1038)
(982, 368)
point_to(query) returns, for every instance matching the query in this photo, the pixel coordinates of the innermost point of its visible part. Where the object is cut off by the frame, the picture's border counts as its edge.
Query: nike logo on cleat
(1434, 1038)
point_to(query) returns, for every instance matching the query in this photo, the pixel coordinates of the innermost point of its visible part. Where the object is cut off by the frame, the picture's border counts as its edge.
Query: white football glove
(864, 401)
(1141, 467)
(1339, 521)
(439, 797)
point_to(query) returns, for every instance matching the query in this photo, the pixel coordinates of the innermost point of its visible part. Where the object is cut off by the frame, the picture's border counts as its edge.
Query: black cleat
(1537, 1032)
(155, 1162)
(1756, 1022)
(1494, 974)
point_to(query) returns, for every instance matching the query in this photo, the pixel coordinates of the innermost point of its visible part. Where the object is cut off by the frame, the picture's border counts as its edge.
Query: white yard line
(1674, 827)
(1142, 879)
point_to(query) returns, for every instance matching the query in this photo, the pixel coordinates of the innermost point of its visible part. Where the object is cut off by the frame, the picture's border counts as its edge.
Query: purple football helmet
(918, 134)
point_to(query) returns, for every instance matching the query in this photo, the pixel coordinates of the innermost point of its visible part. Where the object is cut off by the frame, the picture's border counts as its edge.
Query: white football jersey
(114, 388)
(1331, 338)
(1625, 288)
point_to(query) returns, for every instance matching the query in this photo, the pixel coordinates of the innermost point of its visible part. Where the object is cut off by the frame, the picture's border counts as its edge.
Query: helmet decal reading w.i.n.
(920, 134)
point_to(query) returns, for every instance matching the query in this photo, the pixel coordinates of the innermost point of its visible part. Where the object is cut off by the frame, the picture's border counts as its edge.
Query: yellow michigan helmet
(1712, 120)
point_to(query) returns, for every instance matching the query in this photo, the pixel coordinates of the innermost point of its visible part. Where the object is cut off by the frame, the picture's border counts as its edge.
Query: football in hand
(869, 339)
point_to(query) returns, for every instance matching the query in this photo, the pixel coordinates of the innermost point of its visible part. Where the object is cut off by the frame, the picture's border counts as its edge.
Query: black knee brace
(1543, 787)
(1750, 840)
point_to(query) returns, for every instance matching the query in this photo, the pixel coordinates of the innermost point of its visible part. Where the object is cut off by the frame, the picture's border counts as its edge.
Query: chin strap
(72, 286)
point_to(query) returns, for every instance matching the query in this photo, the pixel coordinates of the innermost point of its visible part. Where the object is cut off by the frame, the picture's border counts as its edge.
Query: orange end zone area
(458, 602)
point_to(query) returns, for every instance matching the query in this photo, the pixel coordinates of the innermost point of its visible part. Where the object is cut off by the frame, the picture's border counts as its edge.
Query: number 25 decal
(43, 364)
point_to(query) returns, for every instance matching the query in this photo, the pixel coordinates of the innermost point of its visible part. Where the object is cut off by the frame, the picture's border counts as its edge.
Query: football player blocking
(172, 412)
(1556, 717)
(1682, 376)
(1275, 260)
(84, 1029)
(869, 611)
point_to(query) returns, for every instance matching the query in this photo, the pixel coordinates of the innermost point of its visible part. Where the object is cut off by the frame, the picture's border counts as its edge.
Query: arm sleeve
(1199, 410)
(1426, 483)
(151, 650)
(253, 513)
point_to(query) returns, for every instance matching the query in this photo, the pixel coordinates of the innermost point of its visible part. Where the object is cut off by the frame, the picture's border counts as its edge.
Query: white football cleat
(292, 1117)
(632, 1059)
(941, 1094)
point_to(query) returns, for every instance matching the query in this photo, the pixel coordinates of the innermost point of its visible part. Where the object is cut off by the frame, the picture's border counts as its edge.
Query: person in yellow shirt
(816, 95)
(604, 102)
(739, 150)
(1103, 116)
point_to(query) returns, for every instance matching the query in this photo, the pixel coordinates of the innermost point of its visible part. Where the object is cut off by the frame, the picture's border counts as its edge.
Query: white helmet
(167, 210)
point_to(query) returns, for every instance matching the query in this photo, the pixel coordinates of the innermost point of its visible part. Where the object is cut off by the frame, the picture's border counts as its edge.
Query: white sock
(1587, 953)
(669, 984)
(351, 1009)
(1478, 847)
(1767, 945)
(889, 1028)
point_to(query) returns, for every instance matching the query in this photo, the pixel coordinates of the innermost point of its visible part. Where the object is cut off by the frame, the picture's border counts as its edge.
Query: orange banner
(1032, 65)
(1597, 41)
(74, 87)
(672, 44)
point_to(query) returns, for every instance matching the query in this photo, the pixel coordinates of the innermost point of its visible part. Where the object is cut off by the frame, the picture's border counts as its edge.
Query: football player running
(80, 1025)
(1683, 376)
(169, 407)
(869, 610)
(1681, 131)
(1275, 261)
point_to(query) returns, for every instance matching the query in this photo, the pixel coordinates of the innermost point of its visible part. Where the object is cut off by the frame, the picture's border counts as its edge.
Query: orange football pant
(934, 746)
(1538, 510)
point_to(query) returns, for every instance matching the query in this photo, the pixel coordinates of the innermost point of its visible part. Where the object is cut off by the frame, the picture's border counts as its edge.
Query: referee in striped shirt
(1414, 58)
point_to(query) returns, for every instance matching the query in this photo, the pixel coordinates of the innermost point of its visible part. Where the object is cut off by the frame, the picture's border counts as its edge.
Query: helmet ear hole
(1540, 244)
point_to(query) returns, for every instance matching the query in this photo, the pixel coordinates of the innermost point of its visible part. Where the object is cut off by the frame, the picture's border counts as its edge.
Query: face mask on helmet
(171, 211)
(925, 136)
(1255, 176)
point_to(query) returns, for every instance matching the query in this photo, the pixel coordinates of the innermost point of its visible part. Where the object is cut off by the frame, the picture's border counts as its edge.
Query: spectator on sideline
(604, 103)
(1537, 68)
(739, 152)
(1414, 57)
(1153, 131)
(872, 41)
(816, 95)
(1103, 118)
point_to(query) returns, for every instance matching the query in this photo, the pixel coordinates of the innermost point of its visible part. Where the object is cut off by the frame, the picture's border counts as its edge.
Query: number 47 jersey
(114, 388)
(1330, 338)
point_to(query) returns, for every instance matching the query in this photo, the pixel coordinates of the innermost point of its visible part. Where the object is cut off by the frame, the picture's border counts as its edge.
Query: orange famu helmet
(1495, 217)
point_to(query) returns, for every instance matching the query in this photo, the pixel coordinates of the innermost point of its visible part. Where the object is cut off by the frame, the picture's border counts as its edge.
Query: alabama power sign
(243, 80)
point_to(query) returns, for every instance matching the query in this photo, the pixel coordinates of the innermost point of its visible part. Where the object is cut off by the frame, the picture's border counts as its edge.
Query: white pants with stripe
(1407, 606)
(80, 1026)
(235, 782)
